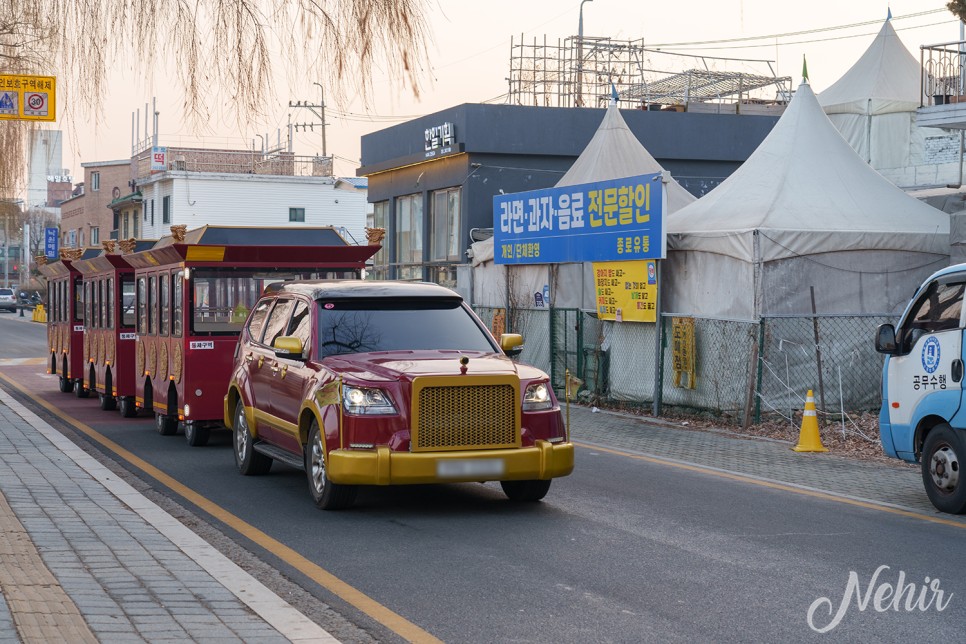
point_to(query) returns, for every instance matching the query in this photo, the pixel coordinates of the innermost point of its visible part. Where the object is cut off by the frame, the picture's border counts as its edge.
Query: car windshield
(361, 325)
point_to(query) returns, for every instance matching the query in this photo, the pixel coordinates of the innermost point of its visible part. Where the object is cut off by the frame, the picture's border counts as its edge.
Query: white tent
(613, 153)
(803, 211)
(873, 105)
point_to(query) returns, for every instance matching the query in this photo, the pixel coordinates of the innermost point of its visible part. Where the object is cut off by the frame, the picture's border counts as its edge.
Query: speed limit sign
(35, 103)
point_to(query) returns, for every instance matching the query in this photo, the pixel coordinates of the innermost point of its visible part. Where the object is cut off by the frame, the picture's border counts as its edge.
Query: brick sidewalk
(85, 557)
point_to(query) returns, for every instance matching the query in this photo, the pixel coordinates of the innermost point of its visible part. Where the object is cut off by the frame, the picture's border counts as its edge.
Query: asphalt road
(621, 551)
(19, 339)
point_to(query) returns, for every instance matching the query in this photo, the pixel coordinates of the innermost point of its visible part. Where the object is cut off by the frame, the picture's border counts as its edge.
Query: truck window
(277, 321)
(258, 320)
(937, 309)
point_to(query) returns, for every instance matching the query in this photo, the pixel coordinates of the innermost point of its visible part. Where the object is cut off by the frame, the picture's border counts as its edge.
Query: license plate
(487, 467)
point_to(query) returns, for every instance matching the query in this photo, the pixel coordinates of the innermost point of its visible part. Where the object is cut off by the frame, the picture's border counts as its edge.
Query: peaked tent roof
(886, 78)
(614, 153)
(807, 191)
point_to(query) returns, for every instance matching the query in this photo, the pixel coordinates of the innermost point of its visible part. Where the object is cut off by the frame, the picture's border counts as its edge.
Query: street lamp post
(580, 54)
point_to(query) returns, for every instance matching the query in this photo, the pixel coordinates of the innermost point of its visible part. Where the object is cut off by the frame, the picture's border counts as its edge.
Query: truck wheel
(126, 406)
(525, 490)
(166, 424)
(943, 457)
(326, 494)
(249, 462)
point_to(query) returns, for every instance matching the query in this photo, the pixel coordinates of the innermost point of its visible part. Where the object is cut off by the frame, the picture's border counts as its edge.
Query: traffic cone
(808, 438)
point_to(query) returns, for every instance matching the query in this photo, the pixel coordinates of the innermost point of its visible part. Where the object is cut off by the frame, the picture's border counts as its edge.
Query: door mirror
(885, 339)
(512, 344)
(289, 347)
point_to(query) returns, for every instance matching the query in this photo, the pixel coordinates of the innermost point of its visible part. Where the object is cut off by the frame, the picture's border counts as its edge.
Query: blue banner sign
(619, 219)
(51, 243)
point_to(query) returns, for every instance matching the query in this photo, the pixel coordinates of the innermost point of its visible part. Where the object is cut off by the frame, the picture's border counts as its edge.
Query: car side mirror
(289, 347)
(512, 344)
(885, 339)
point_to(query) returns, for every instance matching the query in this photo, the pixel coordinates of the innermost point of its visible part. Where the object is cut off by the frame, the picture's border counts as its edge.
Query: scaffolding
(586, 72)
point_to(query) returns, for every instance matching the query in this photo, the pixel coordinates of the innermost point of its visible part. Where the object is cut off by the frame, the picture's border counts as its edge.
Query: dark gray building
(432, 179)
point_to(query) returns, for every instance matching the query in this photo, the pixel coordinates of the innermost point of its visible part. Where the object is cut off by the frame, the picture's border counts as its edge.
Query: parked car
(8, 301)
(385, 383)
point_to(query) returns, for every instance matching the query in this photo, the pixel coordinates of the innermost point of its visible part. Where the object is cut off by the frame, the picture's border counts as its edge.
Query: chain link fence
(742, 370)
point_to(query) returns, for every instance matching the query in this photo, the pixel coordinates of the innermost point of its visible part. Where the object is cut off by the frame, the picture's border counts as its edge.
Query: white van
(922, 416)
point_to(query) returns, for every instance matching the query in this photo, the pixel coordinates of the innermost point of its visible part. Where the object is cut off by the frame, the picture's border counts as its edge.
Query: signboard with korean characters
(626, 291)
(614, 220)
(28, 98)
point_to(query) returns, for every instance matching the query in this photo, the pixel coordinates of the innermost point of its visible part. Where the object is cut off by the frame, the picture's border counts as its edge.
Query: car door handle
(274, 368)
(956, 370)
(261, 361)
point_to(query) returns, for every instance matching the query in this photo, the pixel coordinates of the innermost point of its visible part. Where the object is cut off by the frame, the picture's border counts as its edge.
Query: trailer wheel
(66, 386)
(326, 494)
(525, 490)
(80, 390)
(126, 406)
(195, 435)
(249, 462)
(943, 458)
(166, 424)
(108, 402)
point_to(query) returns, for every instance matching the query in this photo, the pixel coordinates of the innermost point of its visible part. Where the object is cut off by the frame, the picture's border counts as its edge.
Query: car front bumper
(382, 466)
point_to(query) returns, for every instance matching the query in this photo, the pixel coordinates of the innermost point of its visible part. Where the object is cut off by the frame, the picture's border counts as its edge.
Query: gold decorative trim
(375, 235)
(40, 260)
(152, 358)
(109, 245)
(71, 254)
(179, 231)
(178, 357)
(111, 348)
(139, 358)
(163, 360)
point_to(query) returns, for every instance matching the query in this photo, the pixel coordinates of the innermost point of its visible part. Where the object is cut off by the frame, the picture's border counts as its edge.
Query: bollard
(21, 310)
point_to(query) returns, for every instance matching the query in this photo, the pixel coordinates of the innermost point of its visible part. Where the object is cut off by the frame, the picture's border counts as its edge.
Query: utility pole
(318, 111)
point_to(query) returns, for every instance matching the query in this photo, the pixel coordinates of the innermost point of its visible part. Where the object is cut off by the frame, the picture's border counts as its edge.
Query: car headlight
(537, 397)
(363, 400)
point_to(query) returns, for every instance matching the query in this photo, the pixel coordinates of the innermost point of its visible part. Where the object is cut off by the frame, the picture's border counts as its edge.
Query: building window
(445, 226)
(296, 214)
(125, 227)
(166, 210)
(80, 238)
(95, 181)
(409, 236)
(72, 239)
(95, 236)
(134, 218)
(380, 219)
(152, 212)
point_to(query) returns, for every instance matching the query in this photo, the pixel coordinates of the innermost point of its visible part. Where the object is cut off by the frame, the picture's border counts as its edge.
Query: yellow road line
(10, 362)
(828, 496)
(391, 620)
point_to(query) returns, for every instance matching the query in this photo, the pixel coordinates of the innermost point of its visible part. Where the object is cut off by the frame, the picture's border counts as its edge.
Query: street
(634, 546)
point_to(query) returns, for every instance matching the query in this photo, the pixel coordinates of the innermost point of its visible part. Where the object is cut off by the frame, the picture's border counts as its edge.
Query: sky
(469, 55)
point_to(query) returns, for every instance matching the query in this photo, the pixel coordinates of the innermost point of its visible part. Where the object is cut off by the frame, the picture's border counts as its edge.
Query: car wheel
(943, 457)
(126, 406)
(525, 490)
(108, 403)
(249, 462)
(166, 424)
(80, 390)
(326, 494)
(66, 386)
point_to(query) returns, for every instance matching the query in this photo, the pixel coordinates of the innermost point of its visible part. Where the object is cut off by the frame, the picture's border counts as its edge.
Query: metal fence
(743, 370)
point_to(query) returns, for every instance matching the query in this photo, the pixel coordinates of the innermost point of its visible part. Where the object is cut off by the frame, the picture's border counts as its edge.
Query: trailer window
(78, 300)
(142, 306)
(127, 302)
(221, 298)
(165, 304)
(152, 305)
(110, 302)
(177, 310)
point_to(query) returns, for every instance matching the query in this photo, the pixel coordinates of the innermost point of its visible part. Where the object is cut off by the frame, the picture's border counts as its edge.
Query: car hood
(406, 365)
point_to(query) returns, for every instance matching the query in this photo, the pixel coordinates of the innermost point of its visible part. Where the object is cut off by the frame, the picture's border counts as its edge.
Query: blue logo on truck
(930, 354)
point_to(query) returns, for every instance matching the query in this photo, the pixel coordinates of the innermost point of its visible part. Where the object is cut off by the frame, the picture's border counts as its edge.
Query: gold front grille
(476, 413)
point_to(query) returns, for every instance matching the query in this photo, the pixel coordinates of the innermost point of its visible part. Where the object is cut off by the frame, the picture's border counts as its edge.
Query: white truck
(922, 416)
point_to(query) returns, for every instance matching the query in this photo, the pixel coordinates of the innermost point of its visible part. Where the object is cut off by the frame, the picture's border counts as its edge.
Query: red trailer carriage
(108, 296)
(65, 319)
(193, 292)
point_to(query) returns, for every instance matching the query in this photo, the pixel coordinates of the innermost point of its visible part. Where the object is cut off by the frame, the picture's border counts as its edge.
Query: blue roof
(359, 182)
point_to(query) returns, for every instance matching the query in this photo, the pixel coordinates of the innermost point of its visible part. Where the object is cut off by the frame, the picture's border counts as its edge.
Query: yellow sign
(626, 291)
(28, 98)
(682, 350)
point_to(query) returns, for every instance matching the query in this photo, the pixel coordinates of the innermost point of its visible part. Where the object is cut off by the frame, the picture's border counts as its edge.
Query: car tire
(526, 490)
(80, 390)
(943, 459)
(125, 404)
(66, 385)
(248, 461)
(108, 403)
(166, 424)
(326, 494)
(195, 435)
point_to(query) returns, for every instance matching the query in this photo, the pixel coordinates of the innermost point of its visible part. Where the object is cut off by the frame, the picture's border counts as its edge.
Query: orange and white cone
(808, 438)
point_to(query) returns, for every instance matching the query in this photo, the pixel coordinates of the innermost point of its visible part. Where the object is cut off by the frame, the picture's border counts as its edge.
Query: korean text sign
(626, 291)
(28, 98)
(614, 220)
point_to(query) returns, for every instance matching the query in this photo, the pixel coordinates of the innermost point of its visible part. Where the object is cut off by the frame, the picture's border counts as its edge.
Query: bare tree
(231, 45)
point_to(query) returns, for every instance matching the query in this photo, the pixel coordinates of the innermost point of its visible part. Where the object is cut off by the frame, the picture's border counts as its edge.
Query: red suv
(384, 383)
